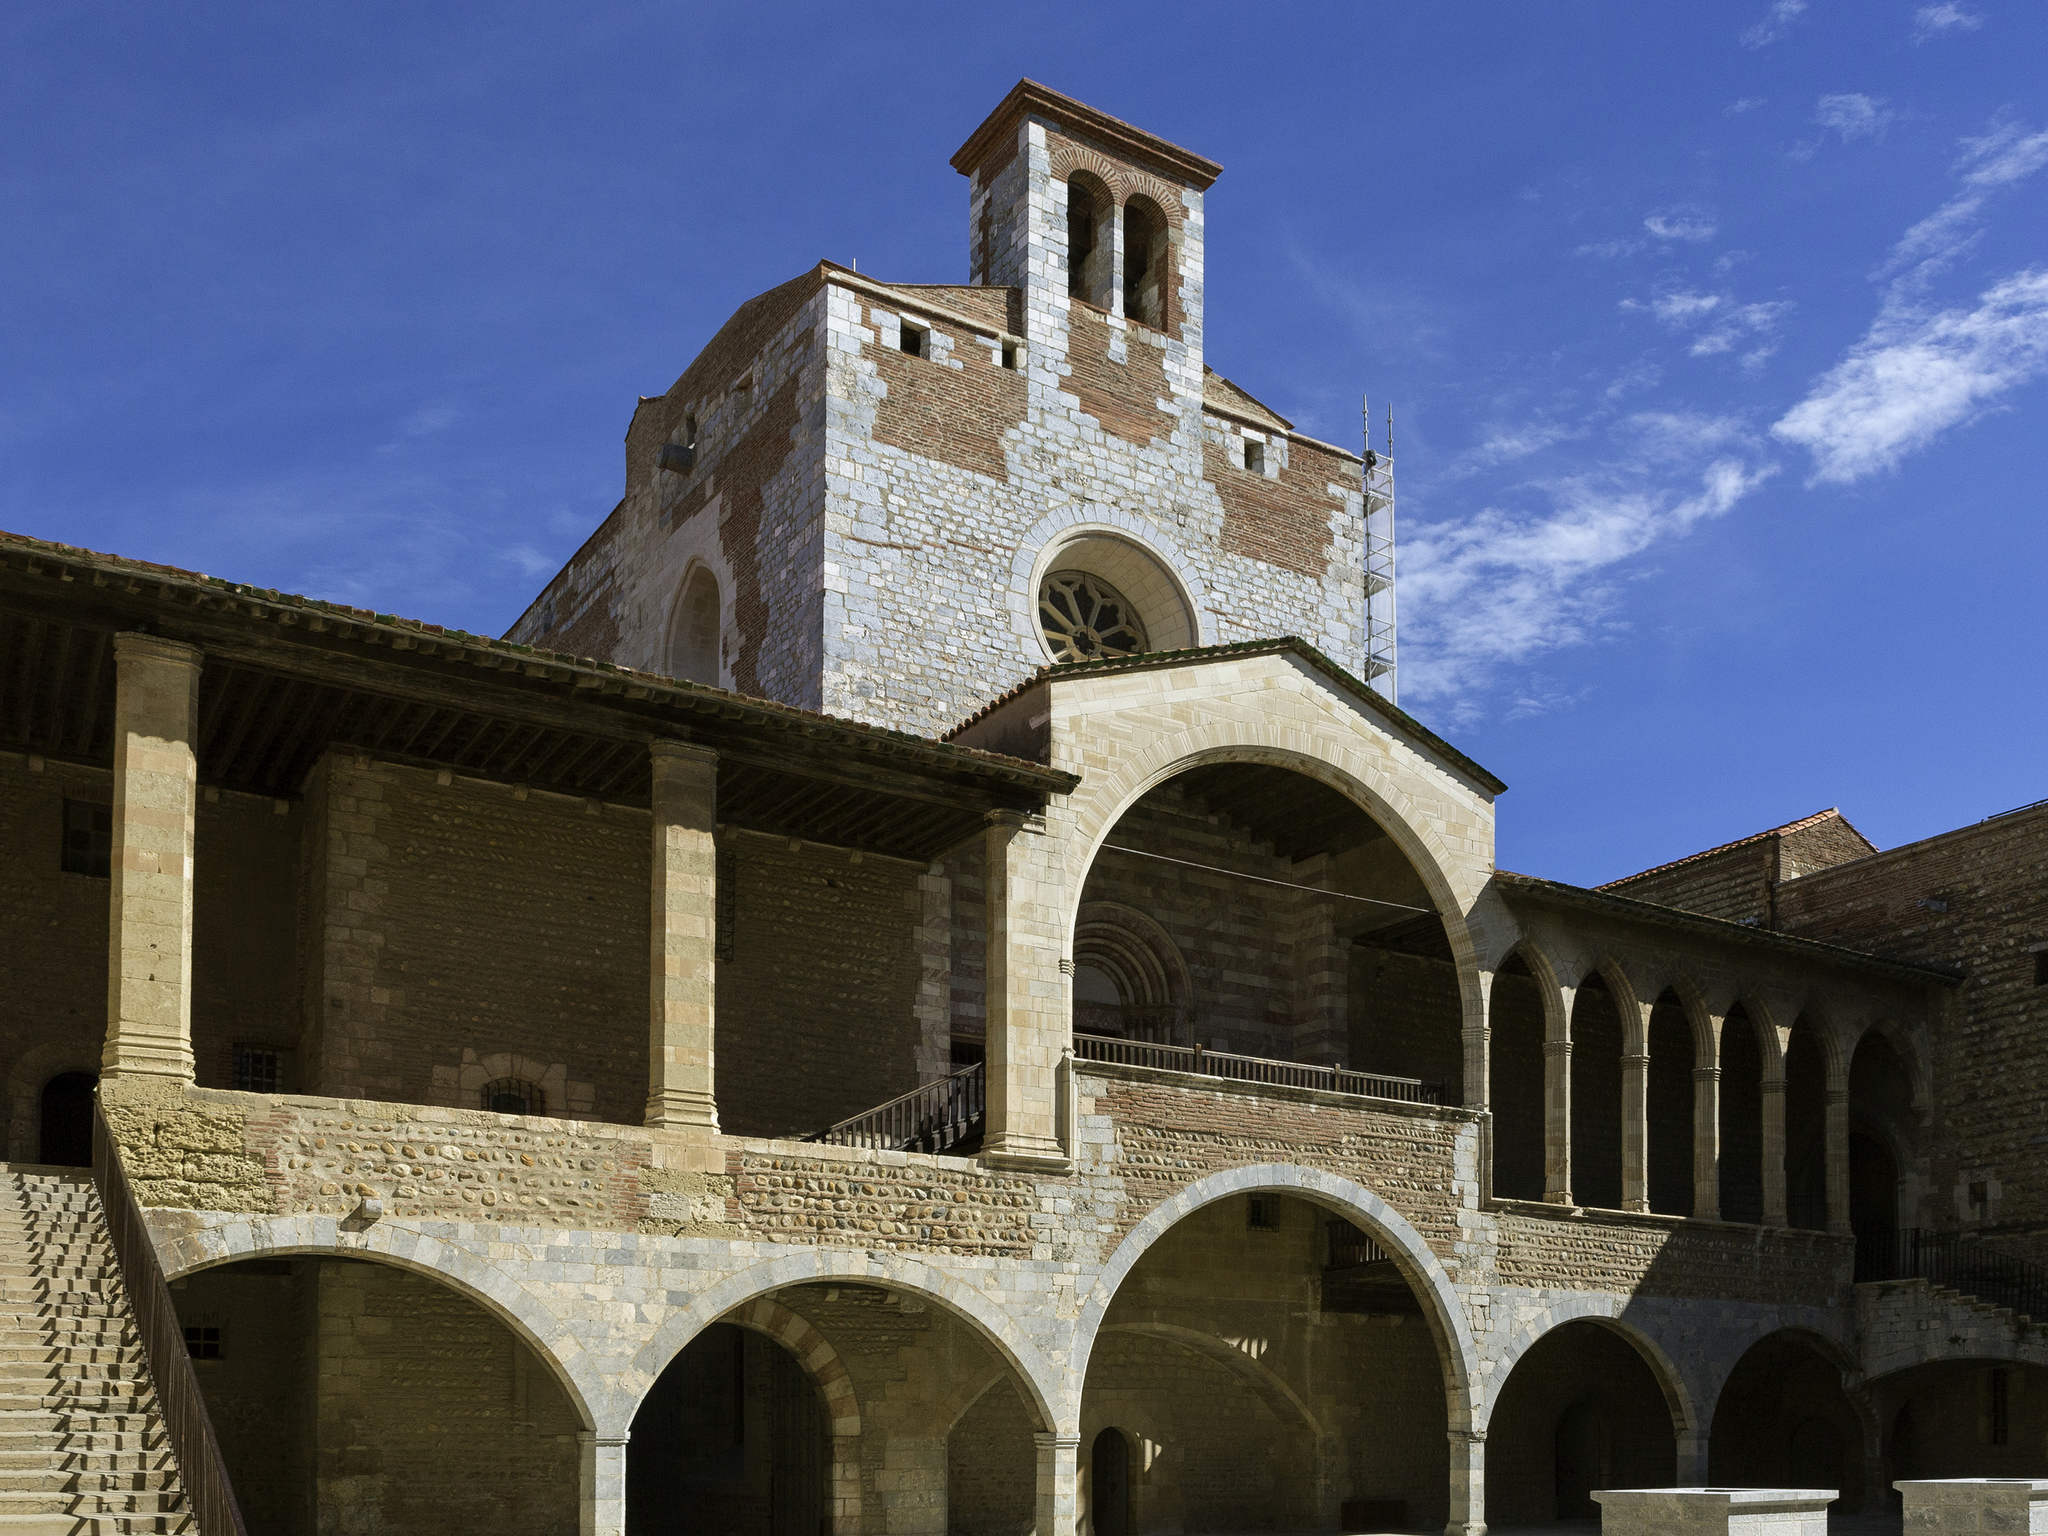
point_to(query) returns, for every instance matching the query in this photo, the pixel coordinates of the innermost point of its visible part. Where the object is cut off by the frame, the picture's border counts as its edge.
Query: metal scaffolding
(1377, 483)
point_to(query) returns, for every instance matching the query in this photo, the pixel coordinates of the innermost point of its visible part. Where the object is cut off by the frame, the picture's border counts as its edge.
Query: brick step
(35, 1351)
(88, 1480)
(138, 1502)
(58, 1329)
(54, 1439)
(94, 1525)
(50, 1458)
(14, 1373)
(96, 1397)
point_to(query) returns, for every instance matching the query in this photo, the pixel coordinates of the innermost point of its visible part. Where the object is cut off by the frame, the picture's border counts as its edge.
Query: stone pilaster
(1028, 1011)
(156, 799)
(934, 1006)
(1476, 1036)
(1706, 1140)
(1774, 1144)
(683, 968)
(1059, 1484)
(1635, 1127)
(603, 1478)
(1557, 1121)
(1468, 1484)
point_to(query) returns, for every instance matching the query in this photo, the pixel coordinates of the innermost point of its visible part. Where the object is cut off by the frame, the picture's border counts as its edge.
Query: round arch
(1275, 1393)
(1038, 553)
(26, 1078)
(1044, 1390)
(476, 1278)
(813, 1351)
(1732, 1459)
(1411, 1255)
(1680, 1396)
(1326, 757)
(1900, 1039)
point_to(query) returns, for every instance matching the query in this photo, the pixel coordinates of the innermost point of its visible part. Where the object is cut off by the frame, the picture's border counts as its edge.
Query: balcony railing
(1254, 1069)
(205, 1476)
(1957, 1262)
(945, 1116)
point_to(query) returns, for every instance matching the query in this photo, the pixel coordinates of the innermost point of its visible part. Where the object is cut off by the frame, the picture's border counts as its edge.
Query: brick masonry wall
(1976, 899)
(1734, 884)
(1651, 1256)
(245, 984)
(991, 1473)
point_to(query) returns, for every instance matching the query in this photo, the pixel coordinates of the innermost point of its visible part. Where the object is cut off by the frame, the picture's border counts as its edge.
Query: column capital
(132, 644)
(604, 1441)
(666, 750)
(1557, 1047)
(1637, 1059)
(1055, 1441)
(1706, 1074)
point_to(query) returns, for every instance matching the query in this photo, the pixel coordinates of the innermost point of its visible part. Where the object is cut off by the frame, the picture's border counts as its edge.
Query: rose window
(1084, 618)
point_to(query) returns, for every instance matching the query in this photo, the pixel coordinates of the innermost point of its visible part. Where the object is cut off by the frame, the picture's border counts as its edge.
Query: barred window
(88, 838)
(202, 1341)
(513, 1096)
(258, 1069)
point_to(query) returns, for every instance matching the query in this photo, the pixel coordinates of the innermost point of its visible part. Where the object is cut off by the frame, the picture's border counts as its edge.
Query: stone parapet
(1968, 1506)
(1699, 1511)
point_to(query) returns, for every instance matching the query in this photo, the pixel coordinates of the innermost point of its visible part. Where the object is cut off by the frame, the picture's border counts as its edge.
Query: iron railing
(208, 1493)
(1958, 1262)
(1255, 1069)
(939, 1117)
(1351, 1248)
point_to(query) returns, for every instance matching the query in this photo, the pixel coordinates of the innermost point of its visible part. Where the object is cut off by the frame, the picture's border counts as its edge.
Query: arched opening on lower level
(1109, 1484)
(1252, 921)
(1269, 1368)
(350, 1394)
(1784, 1420)
(835, 1407)
(731, 1437)
(1516, 1029)
(1670, 1099)
(1582, 1410)
(66, 1120)
(1964, 1418)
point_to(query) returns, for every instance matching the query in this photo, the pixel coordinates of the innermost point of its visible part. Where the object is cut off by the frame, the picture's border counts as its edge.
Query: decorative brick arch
(1042, 1384)
(582, 1379)
(1425, 1275)
(1064, 157)
(1680, 1396)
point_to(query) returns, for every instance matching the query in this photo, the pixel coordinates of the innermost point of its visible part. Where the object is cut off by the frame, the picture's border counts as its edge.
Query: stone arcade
(927, 986)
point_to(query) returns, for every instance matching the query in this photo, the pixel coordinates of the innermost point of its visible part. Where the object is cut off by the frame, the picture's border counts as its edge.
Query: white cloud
(1610, 250)
(1914, 376)
(1717, 323)
(1510, 585)
(1933, 20)
(1686, 224)
(1852, 115)
(1776, 22)
(2008, 154)
(1742, 105)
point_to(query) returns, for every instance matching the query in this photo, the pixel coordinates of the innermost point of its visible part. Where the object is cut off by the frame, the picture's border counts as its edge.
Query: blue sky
(1717, 334)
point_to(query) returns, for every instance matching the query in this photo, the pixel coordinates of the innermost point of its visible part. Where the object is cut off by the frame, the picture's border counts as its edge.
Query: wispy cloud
(1851, 115)
(1934, 20)
(1742, 106)
(1717, 323)
(1775, 23)
(1515, 583)
(1913, 377)
(1688, 225)
(2006, 155)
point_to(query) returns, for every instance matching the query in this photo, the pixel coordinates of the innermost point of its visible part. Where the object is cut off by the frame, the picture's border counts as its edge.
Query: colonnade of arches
(1603, 1098)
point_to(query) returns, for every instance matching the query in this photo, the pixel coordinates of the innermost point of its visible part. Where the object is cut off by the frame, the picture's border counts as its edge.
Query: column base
(674, 1111)
(1028, 1157)
(147, 1063)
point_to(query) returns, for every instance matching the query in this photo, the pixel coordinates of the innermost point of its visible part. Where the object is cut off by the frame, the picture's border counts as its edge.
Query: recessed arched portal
(1964, 1418)
(1784, 1420)
(1880, 1132)
(353, 1390)
(1669, 1105)
(1742, 1118)
(1596, 1095)
(1284, 925)
(1581, 1410)
(1516, 1013)
(1276, 1358)
(66, 1119)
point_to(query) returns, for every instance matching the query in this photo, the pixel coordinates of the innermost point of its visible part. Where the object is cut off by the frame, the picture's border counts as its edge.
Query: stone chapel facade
(928, 986)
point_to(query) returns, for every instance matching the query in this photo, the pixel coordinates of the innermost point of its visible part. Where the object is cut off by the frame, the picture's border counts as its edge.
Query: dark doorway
(1873, 1189)
(1582, 1458)
(67, 1119)
(1109, 1485)
(731, 1438)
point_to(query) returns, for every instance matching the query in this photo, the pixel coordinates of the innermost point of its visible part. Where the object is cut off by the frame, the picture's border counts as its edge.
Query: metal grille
(1255, 1069)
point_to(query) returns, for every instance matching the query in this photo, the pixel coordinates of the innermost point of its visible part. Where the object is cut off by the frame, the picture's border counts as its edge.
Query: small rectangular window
(2041, 967)
(1255, 455)
(1010, 355)
(88, 838)
(914, 339)
(202, 1341)
(258, 1069)
(1262, 1213)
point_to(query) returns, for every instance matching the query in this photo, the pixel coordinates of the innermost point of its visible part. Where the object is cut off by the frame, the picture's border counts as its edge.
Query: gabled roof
(1283, 644)
(1801, 825)
(1220, 394)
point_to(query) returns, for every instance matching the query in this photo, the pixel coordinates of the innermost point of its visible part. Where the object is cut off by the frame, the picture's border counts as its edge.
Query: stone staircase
(83, 1449)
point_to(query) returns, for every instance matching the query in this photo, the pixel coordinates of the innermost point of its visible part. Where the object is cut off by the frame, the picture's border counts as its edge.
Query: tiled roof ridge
(795, 715)
(1799, 825)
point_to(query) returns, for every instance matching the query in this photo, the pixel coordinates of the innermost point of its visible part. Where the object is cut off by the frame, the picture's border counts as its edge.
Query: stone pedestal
(1975, 1506)
(1701, 1511)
